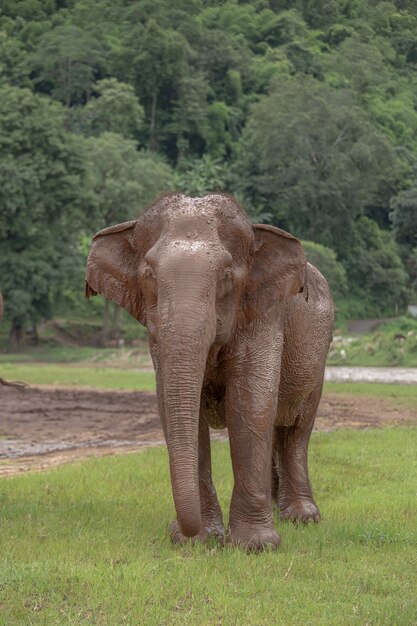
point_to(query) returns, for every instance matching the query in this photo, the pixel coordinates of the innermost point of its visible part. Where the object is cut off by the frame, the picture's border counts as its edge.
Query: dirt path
(44, 427)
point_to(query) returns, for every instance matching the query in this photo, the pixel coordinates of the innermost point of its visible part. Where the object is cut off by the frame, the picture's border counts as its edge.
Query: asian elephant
(239, 325)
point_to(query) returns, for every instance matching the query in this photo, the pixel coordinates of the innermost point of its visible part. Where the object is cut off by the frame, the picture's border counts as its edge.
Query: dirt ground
(42, 427)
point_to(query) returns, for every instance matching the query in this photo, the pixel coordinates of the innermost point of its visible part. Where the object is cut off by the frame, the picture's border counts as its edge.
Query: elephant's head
(194, 271)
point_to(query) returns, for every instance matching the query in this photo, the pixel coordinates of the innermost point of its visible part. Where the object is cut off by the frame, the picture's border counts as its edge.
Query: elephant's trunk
(185, 349)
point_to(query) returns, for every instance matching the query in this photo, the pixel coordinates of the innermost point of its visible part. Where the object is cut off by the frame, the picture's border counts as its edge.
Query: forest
(305, 111)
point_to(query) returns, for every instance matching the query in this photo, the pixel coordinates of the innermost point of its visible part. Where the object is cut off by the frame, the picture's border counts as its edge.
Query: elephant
(239, 325)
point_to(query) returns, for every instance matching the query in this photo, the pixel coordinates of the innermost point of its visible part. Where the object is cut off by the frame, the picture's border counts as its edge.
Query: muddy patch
(44, 427)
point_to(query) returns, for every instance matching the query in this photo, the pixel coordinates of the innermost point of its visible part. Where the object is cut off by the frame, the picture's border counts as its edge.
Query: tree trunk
(35, 334)
(106, 322)
(16, 333)
(115, 331)
(152, 140)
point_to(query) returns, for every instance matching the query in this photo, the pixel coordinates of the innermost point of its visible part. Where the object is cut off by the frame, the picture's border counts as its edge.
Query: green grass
(71, 375)
(88, 544)
(400, 394)
(55, 354)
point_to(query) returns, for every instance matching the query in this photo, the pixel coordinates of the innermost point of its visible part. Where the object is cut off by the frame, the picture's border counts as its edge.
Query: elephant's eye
(226, 282)
(149, 282)
(149, 273)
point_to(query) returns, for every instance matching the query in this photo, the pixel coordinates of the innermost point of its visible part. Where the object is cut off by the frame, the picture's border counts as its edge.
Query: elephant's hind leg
(291, 486)
(211, 514)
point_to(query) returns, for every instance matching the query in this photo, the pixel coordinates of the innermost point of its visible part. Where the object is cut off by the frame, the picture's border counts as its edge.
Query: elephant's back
(307, 336)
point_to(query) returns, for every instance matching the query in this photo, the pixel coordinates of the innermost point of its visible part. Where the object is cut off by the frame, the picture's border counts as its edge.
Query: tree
(43, 193)
(358, 66)
(156, 58)
(404, 217)
(66, 63)
(190, 121)
(377, 278)
(114, 108)
(199, 176)
(14, 62)
(325, 260)
(123, 179)
(311, 156)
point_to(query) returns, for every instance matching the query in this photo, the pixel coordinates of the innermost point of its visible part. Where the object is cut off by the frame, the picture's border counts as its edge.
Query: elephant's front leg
(251, 409)
(211, 514)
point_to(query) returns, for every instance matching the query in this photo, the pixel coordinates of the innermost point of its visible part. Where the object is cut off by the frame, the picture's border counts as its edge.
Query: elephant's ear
(112, 269)
(278, 273)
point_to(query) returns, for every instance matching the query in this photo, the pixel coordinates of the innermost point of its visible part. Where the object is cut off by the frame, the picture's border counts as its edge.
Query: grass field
(54, 354)
(75, 375)
(88, 543)
(405, 395)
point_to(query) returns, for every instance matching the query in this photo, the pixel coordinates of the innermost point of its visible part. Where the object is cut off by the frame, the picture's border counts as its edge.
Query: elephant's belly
(299, 379)
(214, 409)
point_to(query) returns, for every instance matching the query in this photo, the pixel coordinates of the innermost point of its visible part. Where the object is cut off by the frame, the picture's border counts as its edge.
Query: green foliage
(391, 344)
(89, 543)
(376, 273)
(404, 216)
(14, 63)
(66, 63)
(199, 177)
(305, 110)
(155, 58)
(325, 260)
(113, 108)
(43, 203)
(312, 157)
(123, 180)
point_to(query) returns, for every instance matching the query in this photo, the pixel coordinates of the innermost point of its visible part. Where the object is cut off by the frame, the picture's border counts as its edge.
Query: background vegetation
(306, 111)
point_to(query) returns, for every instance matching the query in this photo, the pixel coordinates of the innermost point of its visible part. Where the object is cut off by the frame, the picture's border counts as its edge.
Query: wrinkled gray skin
(239, 326)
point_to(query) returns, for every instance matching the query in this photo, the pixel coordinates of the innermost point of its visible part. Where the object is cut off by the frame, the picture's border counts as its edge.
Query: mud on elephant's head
(186, 257)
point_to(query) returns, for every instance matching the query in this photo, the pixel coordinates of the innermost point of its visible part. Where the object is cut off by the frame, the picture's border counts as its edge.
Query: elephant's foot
(303, 511)
(253, 538)
(211, 530)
